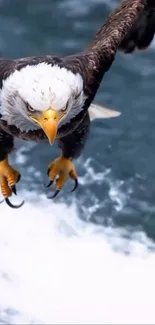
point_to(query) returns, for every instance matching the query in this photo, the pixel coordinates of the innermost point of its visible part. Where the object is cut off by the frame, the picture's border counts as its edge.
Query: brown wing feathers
(117, 25)
(100, 53)
(142, 32)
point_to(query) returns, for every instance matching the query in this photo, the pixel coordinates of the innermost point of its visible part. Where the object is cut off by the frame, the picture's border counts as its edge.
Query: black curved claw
(49, 184)
(55, 194)
(75, 186)
(13, 188)
(18, 179)
(48, 170)
(13, 206)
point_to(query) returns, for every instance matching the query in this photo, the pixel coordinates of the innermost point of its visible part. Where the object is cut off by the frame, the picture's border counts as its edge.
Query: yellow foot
(8, 178)
(62, 168)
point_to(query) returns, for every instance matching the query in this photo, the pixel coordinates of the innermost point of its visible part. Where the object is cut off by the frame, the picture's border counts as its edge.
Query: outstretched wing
(99, 55)
(142, 32)
(117, 25)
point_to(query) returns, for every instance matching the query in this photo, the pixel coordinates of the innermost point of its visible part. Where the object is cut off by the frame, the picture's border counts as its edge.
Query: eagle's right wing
(142, 32)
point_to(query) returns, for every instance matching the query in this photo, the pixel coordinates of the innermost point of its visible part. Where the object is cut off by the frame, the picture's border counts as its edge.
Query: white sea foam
(55, 268)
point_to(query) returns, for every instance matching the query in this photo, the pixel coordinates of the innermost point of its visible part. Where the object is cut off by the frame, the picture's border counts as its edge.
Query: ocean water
(89, 256)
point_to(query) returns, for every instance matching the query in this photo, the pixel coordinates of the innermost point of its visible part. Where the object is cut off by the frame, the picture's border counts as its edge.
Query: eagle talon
(13, 188)
(12, 205)
(61, 169)
(8, 178)
(54, 195)
(18, 178)
(49, 184)
(75, 186)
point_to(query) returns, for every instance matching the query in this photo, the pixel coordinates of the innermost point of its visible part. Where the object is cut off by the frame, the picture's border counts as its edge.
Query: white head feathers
(40, 86)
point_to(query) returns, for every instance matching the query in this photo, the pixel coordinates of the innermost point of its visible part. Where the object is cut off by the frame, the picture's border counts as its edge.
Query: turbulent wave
(56, 268)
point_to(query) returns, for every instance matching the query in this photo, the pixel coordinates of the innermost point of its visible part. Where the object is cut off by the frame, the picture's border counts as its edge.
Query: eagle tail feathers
(101, 112)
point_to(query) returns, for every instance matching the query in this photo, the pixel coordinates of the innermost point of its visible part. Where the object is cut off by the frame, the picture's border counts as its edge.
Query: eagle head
(41, 96)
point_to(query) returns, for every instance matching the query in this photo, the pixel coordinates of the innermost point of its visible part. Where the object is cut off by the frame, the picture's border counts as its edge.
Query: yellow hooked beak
(48, 122)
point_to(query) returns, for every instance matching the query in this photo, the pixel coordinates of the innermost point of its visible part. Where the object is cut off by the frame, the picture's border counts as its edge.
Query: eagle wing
(141, 33)
(118, 24)
(99, 55)
(130, 16)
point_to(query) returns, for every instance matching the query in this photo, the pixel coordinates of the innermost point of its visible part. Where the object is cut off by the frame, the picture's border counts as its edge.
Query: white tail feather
(100, 112)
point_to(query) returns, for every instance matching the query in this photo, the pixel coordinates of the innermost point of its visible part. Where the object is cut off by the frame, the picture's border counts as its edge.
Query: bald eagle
(51, 97)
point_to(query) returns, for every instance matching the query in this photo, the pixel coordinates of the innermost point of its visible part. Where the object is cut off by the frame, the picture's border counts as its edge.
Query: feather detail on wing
(142, 32)
(101, 112)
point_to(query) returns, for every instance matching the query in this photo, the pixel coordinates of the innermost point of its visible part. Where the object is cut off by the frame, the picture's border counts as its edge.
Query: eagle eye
(64, 109)
(29, 108)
